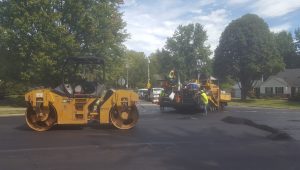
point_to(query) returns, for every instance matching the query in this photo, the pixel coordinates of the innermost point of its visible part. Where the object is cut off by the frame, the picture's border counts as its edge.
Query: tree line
(37, 35)
(247, 51)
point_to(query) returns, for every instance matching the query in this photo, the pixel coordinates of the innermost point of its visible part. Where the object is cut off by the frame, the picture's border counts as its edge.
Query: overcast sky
(150, 22)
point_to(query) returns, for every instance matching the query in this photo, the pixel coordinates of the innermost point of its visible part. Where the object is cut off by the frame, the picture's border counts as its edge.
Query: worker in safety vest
(204, 99)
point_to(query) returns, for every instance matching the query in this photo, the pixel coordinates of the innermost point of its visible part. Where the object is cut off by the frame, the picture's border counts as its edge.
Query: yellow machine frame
(216, 97)
(75, 110)
(49, 107)
(191, 98)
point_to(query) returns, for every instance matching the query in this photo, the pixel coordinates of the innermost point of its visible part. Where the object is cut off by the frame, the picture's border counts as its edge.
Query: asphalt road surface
(168, 140)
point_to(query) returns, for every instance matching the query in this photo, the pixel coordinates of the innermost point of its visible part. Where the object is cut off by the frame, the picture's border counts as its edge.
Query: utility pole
(127, 67)
(148, 84)
(200, 64)
(198, 70)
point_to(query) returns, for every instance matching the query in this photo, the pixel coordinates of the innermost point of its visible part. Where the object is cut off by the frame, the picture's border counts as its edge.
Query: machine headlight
(39, 95)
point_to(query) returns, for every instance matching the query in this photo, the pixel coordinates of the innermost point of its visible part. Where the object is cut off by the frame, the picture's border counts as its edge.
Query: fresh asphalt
(161, 140)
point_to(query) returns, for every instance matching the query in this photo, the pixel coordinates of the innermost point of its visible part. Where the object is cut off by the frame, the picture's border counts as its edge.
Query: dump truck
(80, 98)
(188, 96)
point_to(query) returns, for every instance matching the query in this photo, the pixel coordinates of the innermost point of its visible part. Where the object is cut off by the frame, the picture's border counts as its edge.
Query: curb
(266, 107)
(11, 115)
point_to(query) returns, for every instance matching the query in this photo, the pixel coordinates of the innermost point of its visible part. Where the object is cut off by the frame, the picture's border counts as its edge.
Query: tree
(37, 35)
(297, 38)
(246, 51)
(286, 48)
(183, 49)
(98, 28)
(161, 62)
(297, 46)
(137, 70)
(31, 41)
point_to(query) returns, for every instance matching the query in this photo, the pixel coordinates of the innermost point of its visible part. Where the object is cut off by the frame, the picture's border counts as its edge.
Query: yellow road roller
(82, 97)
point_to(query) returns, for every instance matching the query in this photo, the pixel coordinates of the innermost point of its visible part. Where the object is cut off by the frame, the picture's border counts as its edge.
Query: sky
(151, 22)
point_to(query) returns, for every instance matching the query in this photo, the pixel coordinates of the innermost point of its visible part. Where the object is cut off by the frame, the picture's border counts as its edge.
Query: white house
(284, 84)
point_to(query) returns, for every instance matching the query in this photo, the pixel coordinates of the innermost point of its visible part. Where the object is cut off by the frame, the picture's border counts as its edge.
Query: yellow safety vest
(204, 98)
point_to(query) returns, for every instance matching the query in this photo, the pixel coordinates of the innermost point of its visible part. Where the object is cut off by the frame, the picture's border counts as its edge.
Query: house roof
(291, 76)
(275, 81)
(256, 84)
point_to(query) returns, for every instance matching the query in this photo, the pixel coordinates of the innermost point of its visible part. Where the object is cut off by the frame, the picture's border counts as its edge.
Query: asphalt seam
(96, 146)
(47, 148)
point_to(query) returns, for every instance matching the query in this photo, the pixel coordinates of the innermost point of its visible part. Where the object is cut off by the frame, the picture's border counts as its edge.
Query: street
(161, 140)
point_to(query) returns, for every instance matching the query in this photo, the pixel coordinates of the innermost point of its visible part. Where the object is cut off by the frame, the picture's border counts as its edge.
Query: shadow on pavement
(23, 127)
(275, 133)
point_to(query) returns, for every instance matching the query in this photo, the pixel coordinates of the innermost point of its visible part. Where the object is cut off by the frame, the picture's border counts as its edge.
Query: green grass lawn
(12, 105)
(272, 103)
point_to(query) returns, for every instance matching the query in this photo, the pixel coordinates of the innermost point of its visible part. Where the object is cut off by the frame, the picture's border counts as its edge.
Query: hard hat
(201, 91)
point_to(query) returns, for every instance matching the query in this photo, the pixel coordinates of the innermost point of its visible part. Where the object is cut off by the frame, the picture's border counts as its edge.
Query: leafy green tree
(137, 71)
(183, 49)
(297, 38)
(297, 45)
(160, 66)
(246, 51)
(286, 48)
(37, 35)
(97, 26)
(161, 62)
(31, 41)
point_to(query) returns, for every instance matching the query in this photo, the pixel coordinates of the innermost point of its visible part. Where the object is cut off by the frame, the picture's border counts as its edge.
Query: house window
(295, 91)
(269, 90)
(298, 90)
(278, 90)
